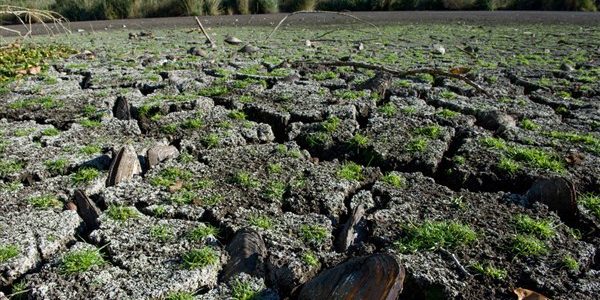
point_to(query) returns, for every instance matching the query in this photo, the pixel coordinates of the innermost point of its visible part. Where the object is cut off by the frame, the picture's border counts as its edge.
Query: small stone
(308, 43)
(160, 153)
(232, 40)
(567, 67)
(360, 47)
(472, 49)
(71, 206)
(197, 52)
(124, 166)
(121, 109)
(249, 49)
(291, 78)
(247, 251)
(87, 210)
(558, 194)
(439, 49)
(378, 276)
(349, 233)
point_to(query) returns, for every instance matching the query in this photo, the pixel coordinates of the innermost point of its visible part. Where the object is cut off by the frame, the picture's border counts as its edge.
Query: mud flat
(152, 166)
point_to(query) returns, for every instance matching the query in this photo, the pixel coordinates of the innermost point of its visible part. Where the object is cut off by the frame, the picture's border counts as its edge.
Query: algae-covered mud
(147, 165)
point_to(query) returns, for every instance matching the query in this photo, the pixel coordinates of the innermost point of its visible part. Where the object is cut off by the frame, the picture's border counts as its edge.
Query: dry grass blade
(401, 73)
(52, 22)
(320, 12)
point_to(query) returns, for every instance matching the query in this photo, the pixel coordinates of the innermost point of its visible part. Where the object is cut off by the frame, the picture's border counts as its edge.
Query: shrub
(79, 10)
(212, 7)
(298, 5)
(242, 6)
(266, 6)
(485, 4)
(338, 5)
(458, 4)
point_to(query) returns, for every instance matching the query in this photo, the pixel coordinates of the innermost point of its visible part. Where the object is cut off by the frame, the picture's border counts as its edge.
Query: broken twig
(472, 55)
(212, 43)
(320, 12)
(401, 73)
(456, 261)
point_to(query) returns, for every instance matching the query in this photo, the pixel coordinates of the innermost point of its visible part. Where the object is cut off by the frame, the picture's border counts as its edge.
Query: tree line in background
(120, 9)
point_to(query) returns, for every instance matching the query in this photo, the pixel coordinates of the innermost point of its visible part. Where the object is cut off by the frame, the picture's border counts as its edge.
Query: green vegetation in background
(80, 10)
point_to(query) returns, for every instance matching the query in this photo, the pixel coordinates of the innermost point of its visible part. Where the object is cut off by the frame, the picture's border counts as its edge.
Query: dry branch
(27, 17)
(212, 43)
(320, 12)
(400, 73)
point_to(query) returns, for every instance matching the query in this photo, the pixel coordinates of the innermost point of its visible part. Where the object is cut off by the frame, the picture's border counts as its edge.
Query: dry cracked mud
(247, 175)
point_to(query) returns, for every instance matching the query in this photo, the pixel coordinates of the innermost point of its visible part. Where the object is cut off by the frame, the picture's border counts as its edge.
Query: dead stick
(400, 73)
(456, 261)
(473, 56)
(212, 43)
(320, 12)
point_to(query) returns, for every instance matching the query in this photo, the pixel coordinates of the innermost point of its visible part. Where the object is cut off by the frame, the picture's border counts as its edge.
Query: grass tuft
(44, 201)
(8, 167)
(394, 180)
(81, 261)
(85, 175)
(541, 228)
(169, 176)
(314, 233)
(434, 235)
(350, 171)
(310, 259)
(570, 263)
(200, 258)
(7, 252)
(121, 213)
(242, 290)
(162, 233)
(180, 295)
(203, 231)
(592, 203)
(528, 245)
(58, 166)
(261, 221)
(490, 271)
